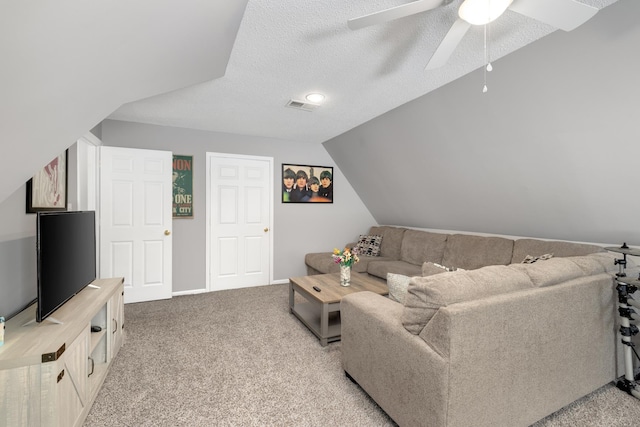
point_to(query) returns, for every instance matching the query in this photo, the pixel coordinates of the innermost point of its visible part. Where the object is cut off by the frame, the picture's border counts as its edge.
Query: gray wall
(86, 64)
(18, 269)
(17, 254)
(298, 228)
(551, 150)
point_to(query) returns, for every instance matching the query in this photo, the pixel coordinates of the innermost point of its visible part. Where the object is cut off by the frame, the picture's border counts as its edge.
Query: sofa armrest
(396, 368)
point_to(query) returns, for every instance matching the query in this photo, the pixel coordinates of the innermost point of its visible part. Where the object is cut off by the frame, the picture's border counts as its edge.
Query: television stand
(50, 319)
(51, 374)
(92, 286)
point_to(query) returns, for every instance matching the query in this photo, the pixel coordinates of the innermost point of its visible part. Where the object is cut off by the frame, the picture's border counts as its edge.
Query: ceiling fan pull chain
(488, 48)
(486, 61)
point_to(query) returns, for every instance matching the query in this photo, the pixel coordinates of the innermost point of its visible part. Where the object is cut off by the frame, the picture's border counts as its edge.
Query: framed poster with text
(182, 186)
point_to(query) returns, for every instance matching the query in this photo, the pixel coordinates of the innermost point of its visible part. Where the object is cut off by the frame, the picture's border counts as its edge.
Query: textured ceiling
(289, 48)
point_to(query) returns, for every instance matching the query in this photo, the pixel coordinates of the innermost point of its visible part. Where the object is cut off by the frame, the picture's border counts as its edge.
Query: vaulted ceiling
(68, 64)
(286, 49)
(551, 151)
(226, 66)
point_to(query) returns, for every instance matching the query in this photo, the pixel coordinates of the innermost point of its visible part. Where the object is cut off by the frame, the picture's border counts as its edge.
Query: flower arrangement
(346, 257)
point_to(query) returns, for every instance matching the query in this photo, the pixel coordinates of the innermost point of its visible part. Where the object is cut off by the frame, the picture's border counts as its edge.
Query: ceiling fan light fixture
(481, 12)
(316, 98)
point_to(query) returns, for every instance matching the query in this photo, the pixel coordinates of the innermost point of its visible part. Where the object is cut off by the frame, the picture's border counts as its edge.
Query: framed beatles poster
(307, 184)
(182, 186)
(47, 190)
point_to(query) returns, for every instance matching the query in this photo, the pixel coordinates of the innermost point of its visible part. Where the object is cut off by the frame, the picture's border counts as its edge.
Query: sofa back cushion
(391, 240)
(607, 260)
(534, 247)
(381, 267)
(470, 252)
(555, 270)
(431, 268)
(421, 246)
(426, 295)
(593, 264)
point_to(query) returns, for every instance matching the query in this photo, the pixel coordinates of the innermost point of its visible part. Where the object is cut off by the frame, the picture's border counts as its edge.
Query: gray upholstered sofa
(404, 251)
(499, 345)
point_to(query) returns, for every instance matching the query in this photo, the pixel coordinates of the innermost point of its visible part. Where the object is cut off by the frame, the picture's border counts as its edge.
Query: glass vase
(345, 275)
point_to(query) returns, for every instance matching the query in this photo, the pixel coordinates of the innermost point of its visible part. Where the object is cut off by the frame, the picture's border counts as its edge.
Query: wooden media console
(50, 373)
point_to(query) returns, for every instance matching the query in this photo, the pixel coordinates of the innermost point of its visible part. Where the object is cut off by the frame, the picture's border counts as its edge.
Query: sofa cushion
(607, 260)
(534, 247)
(380, 268)
(550, 272)
(391, 240)
(368, 245)
(398, 284)
(420, 246)
(323, 263)
(426, 295)
(591, 264)
(471, 252)
(430, 268)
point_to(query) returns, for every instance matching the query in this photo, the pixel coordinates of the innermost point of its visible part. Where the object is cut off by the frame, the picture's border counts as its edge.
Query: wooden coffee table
(320, 311)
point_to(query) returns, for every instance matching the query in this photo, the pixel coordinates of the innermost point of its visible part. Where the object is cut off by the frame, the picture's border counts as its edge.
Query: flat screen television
(66, 257)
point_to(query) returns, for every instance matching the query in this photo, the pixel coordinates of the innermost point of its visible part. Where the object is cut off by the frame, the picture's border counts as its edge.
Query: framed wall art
(47, 190)
(182, 186)
(307, 184)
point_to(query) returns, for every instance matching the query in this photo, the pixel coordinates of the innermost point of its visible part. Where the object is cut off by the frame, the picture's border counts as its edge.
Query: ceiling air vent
(300, 105)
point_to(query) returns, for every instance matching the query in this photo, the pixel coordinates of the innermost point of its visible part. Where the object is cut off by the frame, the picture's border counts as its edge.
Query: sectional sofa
(497, 342)
(404, 251)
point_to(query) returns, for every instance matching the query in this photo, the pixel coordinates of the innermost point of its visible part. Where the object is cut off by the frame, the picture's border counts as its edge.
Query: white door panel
(135, 226)
(239, 195)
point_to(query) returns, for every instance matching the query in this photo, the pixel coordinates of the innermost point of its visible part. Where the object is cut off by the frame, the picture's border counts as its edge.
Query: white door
(135, 221)
(239, 211)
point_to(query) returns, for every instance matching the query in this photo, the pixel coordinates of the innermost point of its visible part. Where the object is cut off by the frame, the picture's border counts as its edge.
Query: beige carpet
(238, 358)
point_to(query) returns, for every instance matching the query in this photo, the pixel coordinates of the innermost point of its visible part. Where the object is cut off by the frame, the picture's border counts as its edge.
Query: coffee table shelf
(311, 315)
(320, 311)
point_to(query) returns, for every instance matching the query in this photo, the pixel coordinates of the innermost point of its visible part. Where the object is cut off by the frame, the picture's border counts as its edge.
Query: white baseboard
(189, 292)
(203, 291)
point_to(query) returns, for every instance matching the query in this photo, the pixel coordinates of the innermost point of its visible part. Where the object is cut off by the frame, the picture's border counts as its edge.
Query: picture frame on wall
(182, 186)
(47, 190)
(307, 184)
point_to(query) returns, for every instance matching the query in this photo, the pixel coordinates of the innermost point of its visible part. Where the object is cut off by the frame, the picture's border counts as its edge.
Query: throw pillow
(398, 285)
(369, 245)
(431, 268)
(531, 259)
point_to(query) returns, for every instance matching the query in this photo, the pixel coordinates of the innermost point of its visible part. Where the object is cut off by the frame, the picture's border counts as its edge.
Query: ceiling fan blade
(564, 14)
(448, 44)
(393, 13)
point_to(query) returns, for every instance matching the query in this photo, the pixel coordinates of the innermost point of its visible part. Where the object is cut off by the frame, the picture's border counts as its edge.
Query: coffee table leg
(291, 297)
(324, 325)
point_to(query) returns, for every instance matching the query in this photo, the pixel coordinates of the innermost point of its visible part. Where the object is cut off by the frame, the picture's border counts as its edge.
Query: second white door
(239, 206)
(135, 221)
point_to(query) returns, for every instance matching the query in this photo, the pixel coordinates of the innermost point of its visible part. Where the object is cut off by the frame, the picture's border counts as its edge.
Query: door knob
(167, 232)
(266, 229)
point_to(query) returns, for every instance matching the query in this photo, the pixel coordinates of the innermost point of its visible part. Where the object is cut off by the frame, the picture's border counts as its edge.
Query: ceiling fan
(564, 14)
